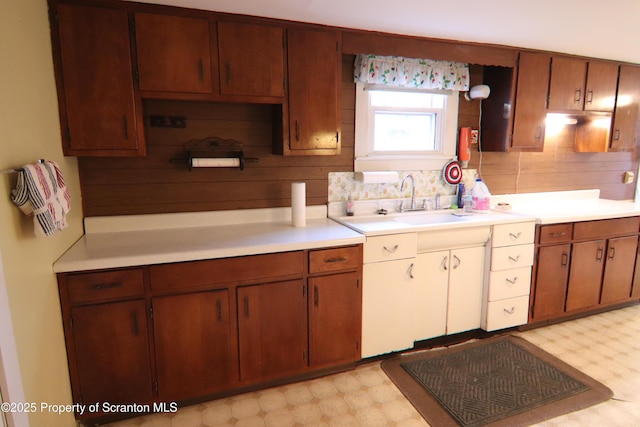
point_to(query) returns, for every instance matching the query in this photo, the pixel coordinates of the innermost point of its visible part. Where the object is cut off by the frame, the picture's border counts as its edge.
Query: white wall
(594, 28)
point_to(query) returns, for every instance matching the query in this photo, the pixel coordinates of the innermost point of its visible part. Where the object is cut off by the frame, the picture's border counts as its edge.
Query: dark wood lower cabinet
(196, 330)
(272, 329)
(193, 344)
(112, 356)
(585, 266)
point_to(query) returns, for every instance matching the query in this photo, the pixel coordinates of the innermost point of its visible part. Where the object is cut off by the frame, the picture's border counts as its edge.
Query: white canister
(481, 197)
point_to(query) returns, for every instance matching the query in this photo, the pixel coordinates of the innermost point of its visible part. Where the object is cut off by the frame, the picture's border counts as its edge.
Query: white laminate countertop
(155, 239)
(568, 206)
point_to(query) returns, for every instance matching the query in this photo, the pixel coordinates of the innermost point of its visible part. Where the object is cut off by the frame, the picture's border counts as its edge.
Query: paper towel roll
(298, 204)
(215, 162)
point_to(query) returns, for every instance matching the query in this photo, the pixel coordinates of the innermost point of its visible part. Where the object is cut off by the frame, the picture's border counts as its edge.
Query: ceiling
(592, 28)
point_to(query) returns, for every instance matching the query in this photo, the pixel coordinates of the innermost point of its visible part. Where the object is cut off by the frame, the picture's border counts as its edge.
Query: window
(404, 129)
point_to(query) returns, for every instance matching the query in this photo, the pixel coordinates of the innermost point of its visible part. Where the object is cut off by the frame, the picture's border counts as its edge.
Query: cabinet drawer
(606, 228)
(556, 233)
(335, 259)
(385, 248)
(511, 283)
(511, 257)
(207, 274)
(507, 313)
(513, 234)
(105, 285)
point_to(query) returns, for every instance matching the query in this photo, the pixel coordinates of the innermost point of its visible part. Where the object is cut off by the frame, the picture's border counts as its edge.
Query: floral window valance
(411, 72)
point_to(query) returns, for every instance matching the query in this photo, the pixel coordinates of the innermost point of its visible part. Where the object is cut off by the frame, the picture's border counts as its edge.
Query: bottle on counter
(481, 197)
(350, 208)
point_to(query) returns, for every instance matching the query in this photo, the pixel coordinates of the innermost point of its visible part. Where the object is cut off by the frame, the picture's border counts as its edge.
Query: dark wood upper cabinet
(626, 120)
(173, 53)
(578, 85)
(314, 72)
(530, 102)
(251, 59)
(99, 110)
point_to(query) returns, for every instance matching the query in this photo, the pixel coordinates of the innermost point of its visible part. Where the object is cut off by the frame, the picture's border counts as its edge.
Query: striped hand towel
(41, 191)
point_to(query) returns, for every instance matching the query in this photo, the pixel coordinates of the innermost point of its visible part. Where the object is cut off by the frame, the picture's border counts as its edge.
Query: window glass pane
(398, 131)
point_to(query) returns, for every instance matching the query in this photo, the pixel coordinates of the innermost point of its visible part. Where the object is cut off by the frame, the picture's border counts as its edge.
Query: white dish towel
(41, 191)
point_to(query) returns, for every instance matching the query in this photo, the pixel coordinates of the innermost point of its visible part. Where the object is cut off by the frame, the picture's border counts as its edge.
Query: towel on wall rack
(41, 191)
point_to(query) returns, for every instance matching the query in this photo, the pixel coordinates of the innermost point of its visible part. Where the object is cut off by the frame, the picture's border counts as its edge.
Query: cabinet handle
(512, 282)
(297, 130)
(578, 95)
(589, 97)
(100, 286)
(612, 252)
(565, 259)
(126, 128)
(201, 70)
(617, 135)
(219, 308)
(538, 136)
(228, 67)
(560, 234)
(410, 271)
(600, 254)
(443, 264)
(392, 250)
(134, 318)
(246, 307)
(316, 296)
(516, 259)
(456, 262)
(515, 236)
(339, 259)
(510, 311)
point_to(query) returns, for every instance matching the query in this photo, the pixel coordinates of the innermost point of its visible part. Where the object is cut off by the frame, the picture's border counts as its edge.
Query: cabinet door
(193, 344)
(430, 299)
(585, 275)
(251, 59)
(314, 91)
(618, 271)
(387, 301)
(335, 318)
(99, 110)
(566, 88)
(272, 327)
(173, 53)
(626, 120)
(551, 281)
(602, 81)
(112, 353)
(464, 302)
(531, 102)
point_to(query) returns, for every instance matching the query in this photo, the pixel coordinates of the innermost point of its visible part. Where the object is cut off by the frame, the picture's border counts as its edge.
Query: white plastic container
(481, 197)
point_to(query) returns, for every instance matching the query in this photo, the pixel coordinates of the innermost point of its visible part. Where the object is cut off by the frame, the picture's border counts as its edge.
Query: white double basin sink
(380, 224)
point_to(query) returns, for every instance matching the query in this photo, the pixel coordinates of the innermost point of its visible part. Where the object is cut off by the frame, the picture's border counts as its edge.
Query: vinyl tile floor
(605, 346)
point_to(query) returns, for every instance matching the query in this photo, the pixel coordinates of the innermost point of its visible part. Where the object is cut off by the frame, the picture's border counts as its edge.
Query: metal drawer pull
(515, 236)
(443, 264)
(516, 259)
(560, 234)
(600, 254)
(509, 312)
(111, 285)
(410, 271)
(578, 95)
(512, 281)
(339, 259)
(612, 252)
(456, 262)
(392, 250)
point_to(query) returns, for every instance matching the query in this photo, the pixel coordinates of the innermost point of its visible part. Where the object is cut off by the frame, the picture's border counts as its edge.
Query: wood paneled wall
(154, 184)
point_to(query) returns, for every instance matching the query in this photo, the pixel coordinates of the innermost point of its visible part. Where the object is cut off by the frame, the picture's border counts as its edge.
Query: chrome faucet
(413, 196)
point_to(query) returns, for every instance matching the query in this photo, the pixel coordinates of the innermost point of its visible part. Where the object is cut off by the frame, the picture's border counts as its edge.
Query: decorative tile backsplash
(428, 184)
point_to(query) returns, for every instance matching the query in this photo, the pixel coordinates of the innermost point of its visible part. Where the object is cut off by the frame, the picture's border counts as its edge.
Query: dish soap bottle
(350, 209)
(481, 197)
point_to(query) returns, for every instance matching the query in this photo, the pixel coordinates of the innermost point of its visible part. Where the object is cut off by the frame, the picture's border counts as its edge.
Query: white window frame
(366, 159)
